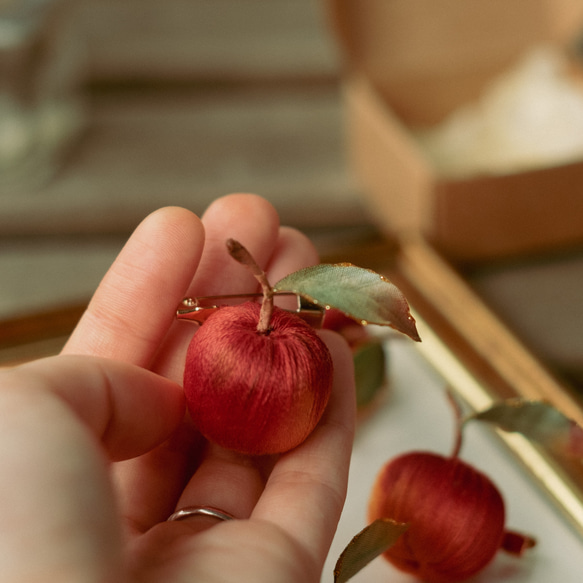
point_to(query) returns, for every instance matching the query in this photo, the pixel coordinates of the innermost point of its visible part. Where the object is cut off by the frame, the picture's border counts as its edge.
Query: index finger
(254, 222)
(136, 301)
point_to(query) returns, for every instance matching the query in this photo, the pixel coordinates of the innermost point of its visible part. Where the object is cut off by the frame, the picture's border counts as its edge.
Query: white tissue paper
(531, 117)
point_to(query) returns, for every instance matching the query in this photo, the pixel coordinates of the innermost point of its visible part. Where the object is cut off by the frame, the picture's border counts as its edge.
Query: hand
(97, 450)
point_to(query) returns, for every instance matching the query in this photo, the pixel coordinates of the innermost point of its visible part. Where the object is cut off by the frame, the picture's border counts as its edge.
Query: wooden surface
(190, 100)
(187, 148)
(210, 40)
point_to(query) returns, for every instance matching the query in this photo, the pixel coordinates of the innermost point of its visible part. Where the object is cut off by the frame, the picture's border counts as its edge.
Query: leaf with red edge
(539, 422)
(367, 545)
(362, 294)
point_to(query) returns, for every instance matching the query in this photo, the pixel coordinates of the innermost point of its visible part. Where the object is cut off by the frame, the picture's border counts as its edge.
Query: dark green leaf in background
(369, 371)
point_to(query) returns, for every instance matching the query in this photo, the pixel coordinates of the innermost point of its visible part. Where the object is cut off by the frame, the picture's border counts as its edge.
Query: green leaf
(537, 421)
(369, 371)
(360, 293)
(367, 545)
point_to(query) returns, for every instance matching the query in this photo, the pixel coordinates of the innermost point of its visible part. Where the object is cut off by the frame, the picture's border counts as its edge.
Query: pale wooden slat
(147, 151)
(207, 39)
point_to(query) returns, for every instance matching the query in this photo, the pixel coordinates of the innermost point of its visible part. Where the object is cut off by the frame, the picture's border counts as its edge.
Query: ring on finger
(192, 511)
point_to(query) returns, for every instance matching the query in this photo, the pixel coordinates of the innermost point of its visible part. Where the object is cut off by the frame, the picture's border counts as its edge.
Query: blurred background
(147, 103)
(356, 118)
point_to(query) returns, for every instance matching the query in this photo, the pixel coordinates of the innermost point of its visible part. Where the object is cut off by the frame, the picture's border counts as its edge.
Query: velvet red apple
(438, 517)
(257, 378)
(257, 392)
(435, 517)
(455, 516)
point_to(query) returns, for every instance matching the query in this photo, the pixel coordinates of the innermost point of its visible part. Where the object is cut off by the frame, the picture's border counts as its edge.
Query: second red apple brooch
(439, 518)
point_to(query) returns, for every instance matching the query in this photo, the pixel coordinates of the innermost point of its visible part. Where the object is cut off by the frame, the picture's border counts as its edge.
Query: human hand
(97, 451)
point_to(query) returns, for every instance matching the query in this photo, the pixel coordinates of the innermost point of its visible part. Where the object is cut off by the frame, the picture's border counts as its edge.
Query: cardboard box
(472, 219)
(410, 63)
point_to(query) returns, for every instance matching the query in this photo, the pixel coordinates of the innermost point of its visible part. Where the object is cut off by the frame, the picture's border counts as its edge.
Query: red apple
(256, 391)
(455, 516)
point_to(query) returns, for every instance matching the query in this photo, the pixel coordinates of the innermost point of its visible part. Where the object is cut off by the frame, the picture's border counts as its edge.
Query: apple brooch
(439, 518)
(257, 377)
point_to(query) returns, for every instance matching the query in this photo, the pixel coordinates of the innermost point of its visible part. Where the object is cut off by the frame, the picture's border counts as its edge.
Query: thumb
(129, 409)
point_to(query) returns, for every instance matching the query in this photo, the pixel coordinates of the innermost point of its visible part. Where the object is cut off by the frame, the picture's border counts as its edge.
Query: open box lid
(429, 57)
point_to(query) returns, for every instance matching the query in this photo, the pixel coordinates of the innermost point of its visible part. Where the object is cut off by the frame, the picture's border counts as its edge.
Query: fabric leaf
(368, 544)
(538, 421)
(360, 293)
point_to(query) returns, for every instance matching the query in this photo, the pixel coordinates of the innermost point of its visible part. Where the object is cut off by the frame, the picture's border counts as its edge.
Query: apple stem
(458, 426)
(242, 255)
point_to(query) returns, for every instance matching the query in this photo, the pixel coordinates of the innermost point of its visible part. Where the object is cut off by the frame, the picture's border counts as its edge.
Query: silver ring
(191, 511)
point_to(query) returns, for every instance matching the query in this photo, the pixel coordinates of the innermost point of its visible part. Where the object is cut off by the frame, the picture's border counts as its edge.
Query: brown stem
(242, 255)
(459, 424)
(516, 543)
